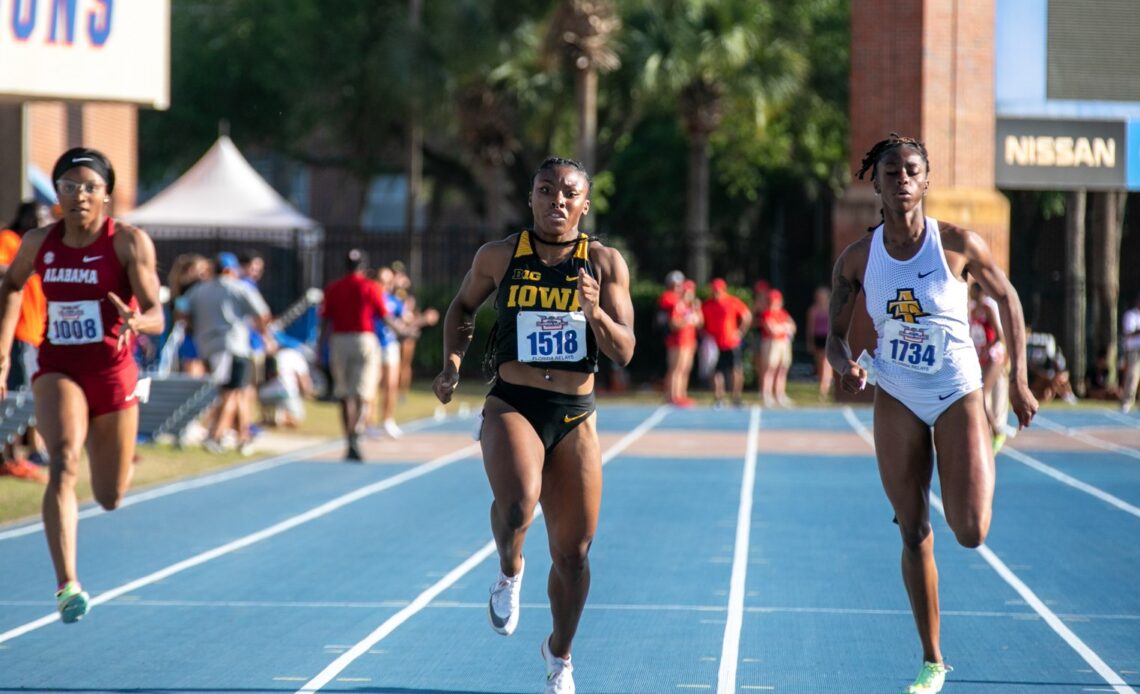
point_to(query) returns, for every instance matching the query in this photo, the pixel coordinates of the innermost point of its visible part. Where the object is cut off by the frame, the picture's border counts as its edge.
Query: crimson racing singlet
(83, 325)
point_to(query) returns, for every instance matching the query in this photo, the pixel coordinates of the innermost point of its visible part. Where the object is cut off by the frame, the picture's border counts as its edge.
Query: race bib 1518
(551, 336)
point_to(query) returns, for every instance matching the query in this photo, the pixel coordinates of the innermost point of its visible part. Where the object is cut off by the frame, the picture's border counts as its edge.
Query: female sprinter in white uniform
(913, 271)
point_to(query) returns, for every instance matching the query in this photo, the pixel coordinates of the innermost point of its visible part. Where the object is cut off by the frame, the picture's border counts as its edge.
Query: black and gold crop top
(539, 319)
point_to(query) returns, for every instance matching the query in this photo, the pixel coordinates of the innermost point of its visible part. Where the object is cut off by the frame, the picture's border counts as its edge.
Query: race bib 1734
(913, 346)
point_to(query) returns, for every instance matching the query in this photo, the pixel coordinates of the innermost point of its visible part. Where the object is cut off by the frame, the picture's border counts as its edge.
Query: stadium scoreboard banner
(86, 50)
(1059, 154)
(1067, 94)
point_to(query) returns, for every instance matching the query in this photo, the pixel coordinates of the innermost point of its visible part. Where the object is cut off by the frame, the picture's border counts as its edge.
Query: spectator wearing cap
(1130, 339)
(684, 322)
(726, 320)
(217, 310)
(252, 268)
(761, 344)
(347, 313)
(778, 328)
(666, 303)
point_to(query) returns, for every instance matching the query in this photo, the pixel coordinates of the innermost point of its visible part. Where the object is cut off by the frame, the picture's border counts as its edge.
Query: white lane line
(421, 601)
(1122, 418)
(1071, 481)
(730, 647)
(209, 479)
(610, 607)
(1085, 438)
(1107, 674)
(253, 538)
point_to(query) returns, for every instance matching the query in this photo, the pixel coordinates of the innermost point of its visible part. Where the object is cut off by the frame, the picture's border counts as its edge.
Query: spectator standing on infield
(684, 323)
(347, 312)
(666, 302)
(388, 388)
(188, 270)
(216, 312)
(815, 332)
(726, 320)
(1130, 340)
(252, 268)
(762, 344)
(989, 343)
(778, 328)
(28, 336)
(414, 316)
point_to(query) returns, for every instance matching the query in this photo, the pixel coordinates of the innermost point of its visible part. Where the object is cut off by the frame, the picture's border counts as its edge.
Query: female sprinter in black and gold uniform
(562, 297)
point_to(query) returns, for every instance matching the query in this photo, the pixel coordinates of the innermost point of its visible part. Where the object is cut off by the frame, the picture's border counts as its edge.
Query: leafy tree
(712, 58)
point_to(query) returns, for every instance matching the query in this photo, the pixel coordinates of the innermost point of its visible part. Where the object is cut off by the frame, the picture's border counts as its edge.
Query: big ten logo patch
(526, 275)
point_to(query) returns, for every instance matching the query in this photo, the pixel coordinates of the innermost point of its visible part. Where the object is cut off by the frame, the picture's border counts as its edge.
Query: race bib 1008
(553, 336)
(74, 322)
(913, 346)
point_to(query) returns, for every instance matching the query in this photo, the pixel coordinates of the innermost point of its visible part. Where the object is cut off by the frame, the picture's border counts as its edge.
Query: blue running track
(739, 551)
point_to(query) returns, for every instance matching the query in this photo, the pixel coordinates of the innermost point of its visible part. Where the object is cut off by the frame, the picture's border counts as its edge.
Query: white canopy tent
(221, 190)
(223, 200)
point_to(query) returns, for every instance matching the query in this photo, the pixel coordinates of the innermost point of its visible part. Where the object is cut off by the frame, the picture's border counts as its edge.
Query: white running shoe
(559, 671)
(503, 605)
(391, 429)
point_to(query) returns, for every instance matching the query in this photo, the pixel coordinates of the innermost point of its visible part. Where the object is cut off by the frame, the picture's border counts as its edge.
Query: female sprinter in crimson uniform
(912, 271)
(562, 297)
(94, 271)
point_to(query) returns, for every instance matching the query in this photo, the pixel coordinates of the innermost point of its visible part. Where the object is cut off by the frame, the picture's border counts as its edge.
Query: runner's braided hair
(894, 141)
(548, 164)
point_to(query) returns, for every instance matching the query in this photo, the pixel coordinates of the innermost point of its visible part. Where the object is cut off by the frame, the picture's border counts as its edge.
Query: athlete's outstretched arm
(607, 305)
(459, 321)
(142, 271)
(980, 265)
(846, 284)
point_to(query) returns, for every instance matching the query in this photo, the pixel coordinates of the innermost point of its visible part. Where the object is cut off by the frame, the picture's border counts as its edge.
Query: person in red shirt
(347, 312)
(667, 305)
(685, 320)
(726, 320)
(778, 328)
(101, 284)
(761, 343)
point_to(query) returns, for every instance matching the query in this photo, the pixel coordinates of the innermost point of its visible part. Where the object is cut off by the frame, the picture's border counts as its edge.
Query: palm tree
(487, 126)
(708, 57)
(582, 31)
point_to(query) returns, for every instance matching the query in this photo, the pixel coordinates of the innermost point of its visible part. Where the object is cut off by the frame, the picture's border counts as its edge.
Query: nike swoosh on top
(566, 419)
(573, 278)
(925, 274)
(89, 258)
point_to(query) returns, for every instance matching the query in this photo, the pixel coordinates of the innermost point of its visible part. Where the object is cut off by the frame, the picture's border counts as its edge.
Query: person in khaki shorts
(347, 312)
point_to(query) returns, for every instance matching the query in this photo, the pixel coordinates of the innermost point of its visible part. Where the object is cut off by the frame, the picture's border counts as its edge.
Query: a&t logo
(905, 307)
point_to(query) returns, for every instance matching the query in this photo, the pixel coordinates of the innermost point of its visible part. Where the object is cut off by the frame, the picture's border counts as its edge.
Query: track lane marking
(1081, 436)
(1073, 482)
(209, 478)
(253, 538)
(1107, 673)
(423, 599)
(730, 646)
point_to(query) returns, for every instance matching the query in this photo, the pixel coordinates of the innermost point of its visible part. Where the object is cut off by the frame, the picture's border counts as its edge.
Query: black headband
(84, 156)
